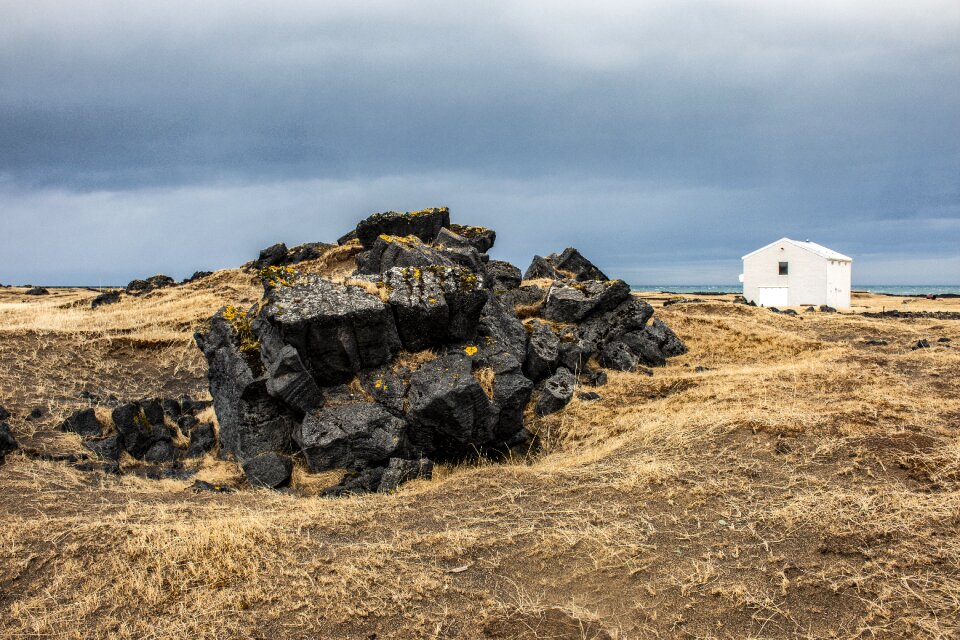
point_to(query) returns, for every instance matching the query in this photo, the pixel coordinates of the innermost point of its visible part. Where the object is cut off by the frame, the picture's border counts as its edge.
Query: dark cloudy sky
(663, 139)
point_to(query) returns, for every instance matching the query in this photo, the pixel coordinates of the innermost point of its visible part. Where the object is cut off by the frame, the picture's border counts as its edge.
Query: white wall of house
(811, 279)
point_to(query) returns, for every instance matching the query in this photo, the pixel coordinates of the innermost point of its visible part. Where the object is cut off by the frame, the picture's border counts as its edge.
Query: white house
(790, 273)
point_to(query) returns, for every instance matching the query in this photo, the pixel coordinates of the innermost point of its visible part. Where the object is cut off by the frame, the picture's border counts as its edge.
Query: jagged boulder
(654, 344)
(630, 315)
(435, 305)
(573, 303)
(424, 224)
(83, 423)
(268, 470)
(503, 275)
(543, 351)
(511, 395)
(481, 238)
(251, 420)
(337, 330)
(388, 252)
(450, 415)
(350, 436)
(557, 392)
(539, 268)
(272, 256)
(500, 331)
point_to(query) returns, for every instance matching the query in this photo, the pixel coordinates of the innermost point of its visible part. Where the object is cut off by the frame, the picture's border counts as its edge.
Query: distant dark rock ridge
(429, 352)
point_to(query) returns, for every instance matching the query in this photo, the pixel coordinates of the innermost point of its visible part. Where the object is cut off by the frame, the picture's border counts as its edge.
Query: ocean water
(893, 289)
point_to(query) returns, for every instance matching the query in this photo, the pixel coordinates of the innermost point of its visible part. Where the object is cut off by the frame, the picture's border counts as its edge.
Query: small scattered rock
(35, 414)
(83, 422)
(36, 291)
(921, 344)
(399, 471)
(197, 275)
(827, 309)
(7, 442)
(589, 396)
(702, 369)
(877, 342)
(943, 339)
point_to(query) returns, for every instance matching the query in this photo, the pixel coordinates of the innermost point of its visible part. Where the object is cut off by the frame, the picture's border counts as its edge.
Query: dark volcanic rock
(273, 256)
(449, 412)
(435, 305)
(337, 330)
(540, 268)
(251, 420)
(36, 291)
(500, 331)
(108, 448)
(83, 422)
(108, 297)
(387, 387)
(4, 414)
(388, 252)
(921, 344)
(138, 434)
(308, 251)
(827, 309)
(202, 440)
(573, 303)
(630, 315)
(7, 442)
(160, 452)
(619, 356)
(570, 263)
(349, 436)
(511, 394)
(504, 275)
(654, 344)
(269, 470)
(543, 352)
(399, 471)
(480, 238)
(35, 414)
(136, 287)
(361, 481)
(557, 392)
(527, 299)
(197, 275)
(425, 225)
(161, 281)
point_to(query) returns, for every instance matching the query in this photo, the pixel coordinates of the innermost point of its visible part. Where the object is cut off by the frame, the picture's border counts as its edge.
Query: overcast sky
(663, 139)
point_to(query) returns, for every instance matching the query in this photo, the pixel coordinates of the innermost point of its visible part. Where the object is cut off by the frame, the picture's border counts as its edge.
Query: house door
(772, 296)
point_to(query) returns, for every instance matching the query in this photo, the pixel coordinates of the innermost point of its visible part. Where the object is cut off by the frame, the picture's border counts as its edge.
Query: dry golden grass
(807, 485)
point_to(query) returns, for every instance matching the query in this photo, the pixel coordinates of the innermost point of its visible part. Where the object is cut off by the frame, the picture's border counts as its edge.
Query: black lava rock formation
(430, 351)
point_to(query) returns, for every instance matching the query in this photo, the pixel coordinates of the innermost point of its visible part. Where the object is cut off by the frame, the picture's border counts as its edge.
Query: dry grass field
(805, 485)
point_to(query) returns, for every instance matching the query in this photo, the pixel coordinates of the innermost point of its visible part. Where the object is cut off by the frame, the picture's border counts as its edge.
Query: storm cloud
(663, 139)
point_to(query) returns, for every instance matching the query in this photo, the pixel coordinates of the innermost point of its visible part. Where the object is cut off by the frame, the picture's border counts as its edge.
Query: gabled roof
(812, 247)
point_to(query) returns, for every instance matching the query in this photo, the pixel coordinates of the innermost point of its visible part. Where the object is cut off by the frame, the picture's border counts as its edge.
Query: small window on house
(783, 268)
